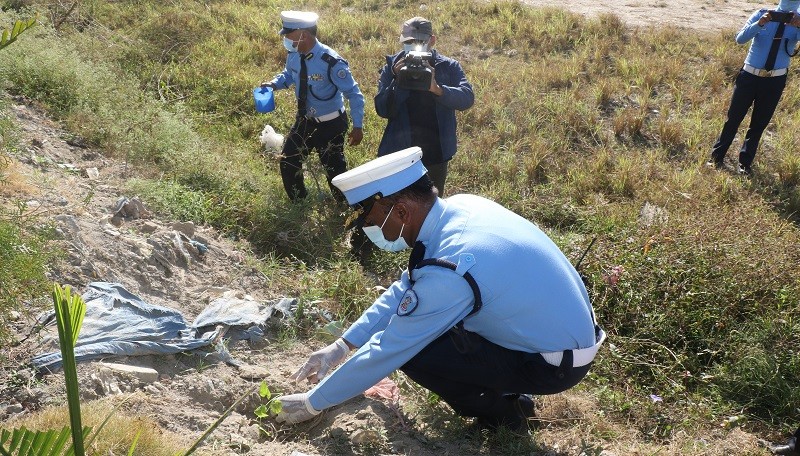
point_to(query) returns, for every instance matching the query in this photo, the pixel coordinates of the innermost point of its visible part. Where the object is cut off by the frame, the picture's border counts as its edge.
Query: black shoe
(745, 170)
(789, 449)
(526, 408)
(715, 164)
(518, 418)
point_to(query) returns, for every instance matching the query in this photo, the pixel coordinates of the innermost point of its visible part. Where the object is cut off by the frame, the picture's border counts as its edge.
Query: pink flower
(612, 278)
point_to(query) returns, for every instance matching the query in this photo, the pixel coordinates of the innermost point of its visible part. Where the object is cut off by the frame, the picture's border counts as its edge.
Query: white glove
(295, 408)
(321, 361)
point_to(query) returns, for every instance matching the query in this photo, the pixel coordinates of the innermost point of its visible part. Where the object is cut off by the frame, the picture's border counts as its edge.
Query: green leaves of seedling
(272, 407)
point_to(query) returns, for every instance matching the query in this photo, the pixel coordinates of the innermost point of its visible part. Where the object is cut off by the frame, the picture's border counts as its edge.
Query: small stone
(116, 221)
(143, 374)
(148, 227)
(251, 372)
(92, 173)
(13, 409)
(365, 436)
(186, 228)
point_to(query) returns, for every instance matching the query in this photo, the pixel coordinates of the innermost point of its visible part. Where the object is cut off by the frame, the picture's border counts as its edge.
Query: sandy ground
(692, 14)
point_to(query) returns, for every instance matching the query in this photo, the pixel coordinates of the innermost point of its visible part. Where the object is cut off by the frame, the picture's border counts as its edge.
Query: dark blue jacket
(390, 103)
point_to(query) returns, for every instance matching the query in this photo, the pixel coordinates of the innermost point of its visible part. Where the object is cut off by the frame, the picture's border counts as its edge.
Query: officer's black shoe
(789, 449)
(792, 447)
(518, 418)
(745, 170)
(715, 164)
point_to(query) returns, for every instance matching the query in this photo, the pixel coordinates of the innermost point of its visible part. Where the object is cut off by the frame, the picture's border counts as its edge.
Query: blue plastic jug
(264, 98)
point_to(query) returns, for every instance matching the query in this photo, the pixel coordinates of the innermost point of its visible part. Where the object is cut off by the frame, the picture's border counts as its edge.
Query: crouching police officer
(488, 310)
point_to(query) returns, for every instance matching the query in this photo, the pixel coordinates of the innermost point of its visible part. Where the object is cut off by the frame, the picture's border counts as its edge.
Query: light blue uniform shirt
(319, 87)
(762, 41)
(533, 299)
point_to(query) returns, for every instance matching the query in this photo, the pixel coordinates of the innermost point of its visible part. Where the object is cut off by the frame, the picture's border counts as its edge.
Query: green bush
(24, 256)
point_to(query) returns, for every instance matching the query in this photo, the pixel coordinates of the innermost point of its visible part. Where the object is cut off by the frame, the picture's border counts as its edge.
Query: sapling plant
(269, 409)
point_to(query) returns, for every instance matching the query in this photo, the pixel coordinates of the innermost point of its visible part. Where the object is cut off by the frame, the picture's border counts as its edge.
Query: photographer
(761, 81)
(422, 116)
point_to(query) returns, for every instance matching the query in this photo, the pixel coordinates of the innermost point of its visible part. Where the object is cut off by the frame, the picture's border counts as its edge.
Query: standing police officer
(760, 82)
(320, 77)
(489, 309)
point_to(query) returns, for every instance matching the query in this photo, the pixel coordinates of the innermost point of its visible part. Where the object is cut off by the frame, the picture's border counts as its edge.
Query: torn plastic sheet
(118, 323)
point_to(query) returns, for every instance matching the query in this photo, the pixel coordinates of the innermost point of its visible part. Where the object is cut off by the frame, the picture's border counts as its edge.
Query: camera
(780, 16)
(414, 75)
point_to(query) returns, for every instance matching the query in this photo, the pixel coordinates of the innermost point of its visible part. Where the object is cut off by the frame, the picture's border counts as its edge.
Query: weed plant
(579, 124)
(24, 252)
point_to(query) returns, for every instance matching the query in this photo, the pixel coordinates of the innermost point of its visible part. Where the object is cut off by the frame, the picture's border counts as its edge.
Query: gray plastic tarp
(118, 323)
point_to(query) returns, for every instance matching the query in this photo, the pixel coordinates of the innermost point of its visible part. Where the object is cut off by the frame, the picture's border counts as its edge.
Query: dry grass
(15, 184)
(118, 434)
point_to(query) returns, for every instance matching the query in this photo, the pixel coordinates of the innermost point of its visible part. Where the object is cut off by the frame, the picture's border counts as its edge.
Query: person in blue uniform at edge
(760, 82)
(321, 79)
(489, 311)
(424, 118)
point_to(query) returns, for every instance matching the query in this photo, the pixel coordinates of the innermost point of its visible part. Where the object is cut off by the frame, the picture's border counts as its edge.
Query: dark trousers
(328, 139)
(763, 94)
(476, 383)
(438, 174)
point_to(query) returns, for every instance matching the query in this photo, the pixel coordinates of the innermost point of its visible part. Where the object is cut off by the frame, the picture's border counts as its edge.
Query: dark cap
(416, 28)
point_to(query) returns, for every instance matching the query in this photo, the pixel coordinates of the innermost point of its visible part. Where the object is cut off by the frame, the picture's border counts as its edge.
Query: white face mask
(375, 234)
(290, 45)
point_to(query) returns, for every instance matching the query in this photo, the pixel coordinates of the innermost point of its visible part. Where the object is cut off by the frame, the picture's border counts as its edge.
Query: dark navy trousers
(763, 94)
(476, 383)
(328, 139)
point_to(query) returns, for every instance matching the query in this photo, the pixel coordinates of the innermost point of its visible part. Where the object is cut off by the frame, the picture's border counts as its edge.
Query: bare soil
(704, 16)
(49, 171)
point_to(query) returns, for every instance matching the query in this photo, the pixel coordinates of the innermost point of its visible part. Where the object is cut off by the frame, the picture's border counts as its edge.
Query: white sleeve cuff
(309, 407)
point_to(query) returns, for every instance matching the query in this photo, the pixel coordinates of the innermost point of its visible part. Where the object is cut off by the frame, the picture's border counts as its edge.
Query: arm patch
(408, 304)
